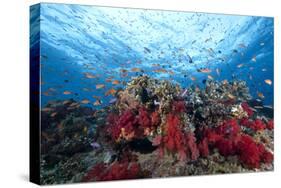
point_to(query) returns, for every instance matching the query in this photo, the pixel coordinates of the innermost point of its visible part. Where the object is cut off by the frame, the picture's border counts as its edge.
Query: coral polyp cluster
(156, 128)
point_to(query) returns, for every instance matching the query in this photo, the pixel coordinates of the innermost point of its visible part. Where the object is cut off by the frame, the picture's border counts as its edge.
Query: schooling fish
(136, 70)
(192, 78)
(240, 65)
(260, 95)
(115, 82)
(85, 101)
(100, 86)
(147, 50)
(67, 92)
(89, 75)
(210, 77)
(254, 59)
(218, 71)
(160, 71)
(53, 114)
(268, 81)
(97, 103)
(204, 70)
(242, 45)
(110, 92)
(189, 59)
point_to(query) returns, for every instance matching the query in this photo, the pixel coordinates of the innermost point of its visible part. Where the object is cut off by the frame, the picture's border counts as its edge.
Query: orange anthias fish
(108, 80)
(100, 86)
(160, 71)
(110, 92)
(90, 75)
(85, 101)
(192, 78)
(67, 92)
(268, 81)
(136, 70)
(260, 95)
(205, 70)
(115, 82)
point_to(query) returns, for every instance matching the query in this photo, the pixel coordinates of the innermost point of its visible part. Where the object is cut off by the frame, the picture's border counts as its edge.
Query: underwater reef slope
(156, 128)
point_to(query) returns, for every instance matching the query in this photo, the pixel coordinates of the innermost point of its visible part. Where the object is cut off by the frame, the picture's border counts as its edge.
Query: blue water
(103, 41)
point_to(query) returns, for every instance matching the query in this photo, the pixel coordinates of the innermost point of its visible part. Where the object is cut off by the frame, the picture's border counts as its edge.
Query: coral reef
(155, 128)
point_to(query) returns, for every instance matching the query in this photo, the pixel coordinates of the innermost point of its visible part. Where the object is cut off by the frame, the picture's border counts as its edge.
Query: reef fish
(67, 92)
(97, 103)
(85, 101)
(115, 82)
(110, 92)
(268, 81)
(100, 86)
(204, 70)
(89, 75)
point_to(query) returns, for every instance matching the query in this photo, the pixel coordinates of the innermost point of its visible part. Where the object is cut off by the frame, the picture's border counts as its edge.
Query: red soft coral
(192, 148)
(270, 125)
(116, 171)
(226, 147)
(178, 106)
(229, 128)
(144, 118)
(247, 109)
(248, 152)
(203, 147)
(256, 125)
(176, 141)
(155, 119)
(124, 126)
